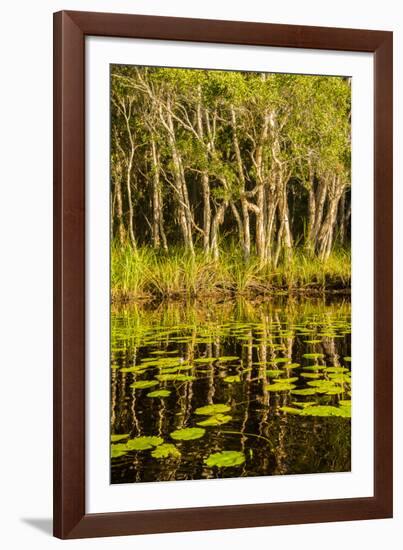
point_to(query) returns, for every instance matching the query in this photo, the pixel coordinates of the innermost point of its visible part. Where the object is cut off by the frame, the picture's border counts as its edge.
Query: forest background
(232, 183)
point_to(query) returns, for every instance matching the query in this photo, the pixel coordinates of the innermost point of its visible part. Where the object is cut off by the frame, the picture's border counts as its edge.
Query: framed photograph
(222, 274)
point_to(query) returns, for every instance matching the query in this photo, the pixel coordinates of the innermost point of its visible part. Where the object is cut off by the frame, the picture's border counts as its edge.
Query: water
(250, 358)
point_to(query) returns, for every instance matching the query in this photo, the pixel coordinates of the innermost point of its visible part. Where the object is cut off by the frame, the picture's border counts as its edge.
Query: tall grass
(146, 273)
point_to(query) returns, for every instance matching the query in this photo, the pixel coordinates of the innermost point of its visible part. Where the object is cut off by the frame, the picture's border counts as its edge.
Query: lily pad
(175, 377)
(159, 393)
(274, 373)
(336, 369)
(290, 410)
(141, 384)
(216, 420)
(118, 437)
(118, 450)
(225, 459)
(279, 386)
(325, 386)
(143, 442)
(226, 358)
(304, 391)
(326, 410)
(186, 434)
(303, 404)
(313, 355)
(132, 369)
(213, 409)
(232, 379)
(166, 450)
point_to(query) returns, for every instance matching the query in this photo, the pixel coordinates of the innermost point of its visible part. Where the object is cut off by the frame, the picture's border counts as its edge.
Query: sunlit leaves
(166, 450)
(213, 409)
(215, 420)
(187, 434)
(225, 459)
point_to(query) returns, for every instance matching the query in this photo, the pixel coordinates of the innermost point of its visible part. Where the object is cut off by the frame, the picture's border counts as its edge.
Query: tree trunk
(119, 209)
(326, 235)
(204, 179)
(216, 222)
(155, 196)
(180, 186)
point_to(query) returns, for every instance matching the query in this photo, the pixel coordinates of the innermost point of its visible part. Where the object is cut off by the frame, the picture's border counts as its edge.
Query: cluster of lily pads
(122, 444)
(170, 355)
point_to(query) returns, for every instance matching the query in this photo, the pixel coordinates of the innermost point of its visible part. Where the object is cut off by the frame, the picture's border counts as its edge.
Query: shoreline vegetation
(227, 184)
(146, 275)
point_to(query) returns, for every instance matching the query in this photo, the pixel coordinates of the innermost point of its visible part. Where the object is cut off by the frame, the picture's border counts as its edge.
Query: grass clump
(145, 273)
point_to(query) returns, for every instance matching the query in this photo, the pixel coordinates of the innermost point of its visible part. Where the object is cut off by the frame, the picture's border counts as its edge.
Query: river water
(267, 383)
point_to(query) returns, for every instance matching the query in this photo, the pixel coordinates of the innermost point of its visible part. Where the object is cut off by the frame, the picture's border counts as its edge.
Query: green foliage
(232, 379)
(118, 437)
(142, 384)
(166, 450)
(159, 393)
(187, 434)
(143, 442)
(190, 150)
(215, 420)
(225, 459)
(146, 273)
(213, 409)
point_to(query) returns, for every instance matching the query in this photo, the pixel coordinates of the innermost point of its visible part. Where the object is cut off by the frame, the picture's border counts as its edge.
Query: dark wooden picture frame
(70, 517)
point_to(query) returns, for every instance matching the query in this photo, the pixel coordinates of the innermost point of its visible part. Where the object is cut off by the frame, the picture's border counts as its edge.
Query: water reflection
(276, 376)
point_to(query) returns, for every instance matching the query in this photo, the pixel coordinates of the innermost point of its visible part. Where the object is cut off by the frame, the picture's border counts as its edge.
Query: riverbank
(146, 275)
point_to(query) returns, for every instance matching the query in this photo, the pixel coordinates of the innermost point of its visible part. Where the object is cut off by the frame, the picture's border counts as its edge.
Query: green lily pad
(118, 437)
(132, 369)
(175, 377)
(232, 379)
(304, 391)
(313, 355)
(226, 358)
(347, 359)
(336, 369)
(186, 434)
(290, 410)
(202, 360)
(166, 450)
(141, 384)
(159, 393)
(303, 404)
(326, 410)
(279, 386)
(215, 420)
(325, 386)
(118, 450)
(213, 409)
(225, 459)
(143, 442)
(163, 352)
